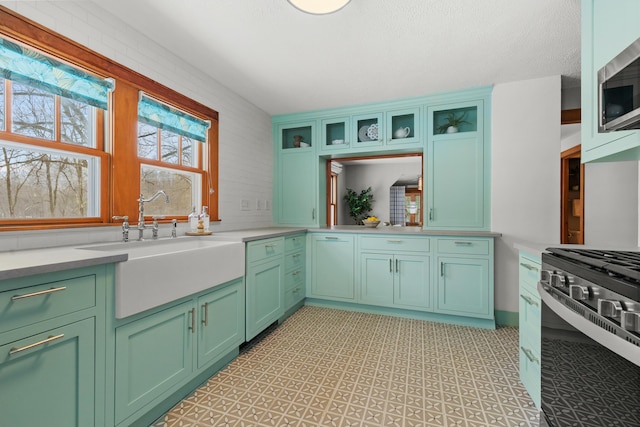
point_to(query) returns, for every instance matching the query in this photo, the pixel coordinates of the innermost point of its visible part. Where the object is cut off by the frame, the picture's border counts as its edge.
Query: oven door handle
(611, 341)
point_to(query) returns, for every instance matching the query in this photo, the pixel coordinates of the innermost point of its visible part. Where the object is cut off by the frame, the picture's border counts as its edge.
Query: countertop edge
(88, 259)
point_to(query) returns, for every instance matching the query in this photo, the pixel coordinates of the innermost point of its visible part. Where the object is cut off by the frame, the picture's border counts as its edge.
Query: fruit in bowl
(371, 221)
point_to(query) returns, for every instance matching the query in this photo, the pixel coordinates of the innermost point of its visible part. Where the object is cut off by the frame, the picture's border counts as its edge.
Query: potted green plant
(452, 123)
(359, 204)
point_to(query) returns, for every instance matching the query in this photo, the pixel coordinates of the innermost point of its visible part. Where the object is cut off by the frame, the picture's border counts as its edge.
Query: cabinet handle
(529, 300)
(390, 265)
(15, 350)
(431, 214)
(37, 294)
(192, 328)
(463, 243)
(330, 238)
(529, 267)
(394, 240)
(442, 269)
(205, 320)
(296, 255)
(313, 213)
(272, 245)
(530, 355)
(397, 266)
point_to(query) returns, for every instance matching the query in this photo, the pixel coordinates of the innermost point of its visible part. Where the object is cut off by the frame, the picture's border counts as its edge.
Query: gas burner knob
(609, 308)
(557, 281)
(578, 292)
(630, 321)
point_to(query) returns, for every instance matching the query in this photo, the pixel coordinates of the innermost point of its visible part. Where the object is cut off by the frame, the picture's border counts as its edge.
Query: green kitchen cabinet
(403, 127)
(296, 193)
(332, 266)
(607, 29)
(465, 277)
(395, 272)
(265, 274)
(295, 270)
(336, 134)
(52, 348)
(159, 351)
(530, 307)
(154, 355)
(367, 130)
(457, 177)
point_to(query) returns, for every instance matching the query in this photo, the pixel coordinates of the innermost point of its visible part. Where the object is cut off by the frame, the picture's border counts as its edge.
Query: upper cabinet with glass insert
(454, 119)
(298, 136)
(367, 130)
(336, 134)
(403, 126)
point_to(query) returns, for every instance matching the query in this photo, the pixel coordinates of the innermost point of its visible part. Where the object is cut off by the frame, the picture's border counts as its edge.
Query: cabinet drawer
(395, 243)
(529, 272)
(294, 278)
(293, 260)
(265, 249)
(292, 296)
(463, 246)
(293, 243)
(27, 306)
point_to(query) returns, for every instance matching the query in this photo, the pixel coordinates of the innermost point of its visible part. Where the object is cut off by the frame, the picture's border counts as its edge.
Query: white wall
(245, 152)
(525, 175)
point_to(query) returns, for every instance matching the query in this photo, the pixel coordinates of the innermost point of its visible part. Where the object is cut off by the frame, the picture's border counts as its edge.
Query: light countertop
(14, 264)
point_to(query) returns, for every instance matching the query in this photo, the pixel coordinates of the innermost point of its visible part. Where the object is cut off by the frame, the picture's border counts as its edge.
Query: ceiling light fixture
(319, 7)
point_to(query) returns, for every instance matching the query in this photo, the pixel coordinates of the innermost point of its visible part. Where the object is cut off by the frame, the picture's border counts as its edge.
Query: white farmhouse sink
(161, 271)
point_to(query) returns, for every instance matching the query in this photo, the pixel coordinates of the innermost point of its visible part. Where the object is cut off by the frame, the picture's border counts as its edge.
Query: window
(170, 143)
(70, 148)
(50, 156)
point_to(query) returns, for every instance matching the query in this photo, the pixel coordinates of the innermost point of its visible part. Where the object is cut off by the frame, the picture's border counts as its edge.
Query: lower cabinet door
(265, 296)
(48, 379)
(412, 279)
(463, 287)
(221, 322)
(376, 279)
(153, 354)
(332, 267)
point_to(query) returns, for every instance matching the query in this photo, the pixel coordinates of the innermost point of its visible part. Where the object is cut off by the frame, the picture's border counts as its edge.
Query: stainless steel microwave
(619, 91)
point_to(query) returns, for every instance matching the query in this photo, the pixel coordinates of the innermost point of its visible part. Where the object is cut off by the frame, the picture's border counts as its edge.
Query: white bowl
(304, 144)
(337, 141)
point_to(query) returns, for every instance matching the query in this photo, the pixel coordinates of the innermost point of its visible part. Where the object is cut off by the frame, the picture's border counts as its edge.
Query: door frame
(565, 156)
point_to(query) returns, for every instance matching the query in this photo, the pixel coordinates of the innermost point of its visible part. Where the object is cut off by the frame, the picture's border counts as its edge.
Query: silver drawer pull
(530, 355)
(463, 243)
(331, 238)
(394, 240)
(37, 294)
(529, 300)
(529, 267)
(270, 246)
(35, 344)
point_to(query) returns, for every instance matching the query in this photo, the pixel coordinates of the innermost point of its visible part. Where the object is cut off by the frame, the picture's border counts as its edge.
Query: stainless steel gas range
(590, 338)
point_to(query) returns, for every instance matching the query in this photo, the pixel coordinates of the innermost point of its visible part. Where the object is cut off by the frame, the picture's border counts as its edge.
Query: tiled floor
(325, 367)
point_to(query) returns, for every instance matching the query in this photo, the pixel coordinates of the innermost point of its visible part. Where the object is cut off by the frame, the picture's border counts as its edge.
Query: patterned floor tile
(325, 367)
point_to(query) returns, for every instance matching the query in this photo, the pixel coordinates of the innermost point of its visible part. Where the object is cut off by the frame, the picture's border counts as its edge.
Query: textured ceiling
(284, 60)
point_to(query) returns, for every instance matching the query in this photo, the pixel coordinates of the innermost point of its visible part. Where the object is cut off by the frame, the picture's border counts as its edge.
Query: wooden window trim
(118, 195)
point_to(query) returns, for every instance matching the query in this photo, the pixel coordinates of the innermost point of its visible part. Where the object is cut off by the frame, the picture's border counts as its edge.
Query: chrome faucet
(125, 226)
(141, 225)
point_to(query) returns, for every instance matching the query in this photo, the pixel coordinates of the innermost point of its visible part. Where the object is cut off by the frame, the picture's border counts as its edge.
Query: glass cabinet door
(335, 134)
(296, 136)
(367, 130)
(454, 119)
(403, 126)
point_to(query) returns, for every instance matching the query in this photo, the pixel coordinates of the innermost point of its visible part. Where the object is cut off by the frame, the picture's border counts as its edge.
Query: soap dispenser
(193, 220)
(204, 217)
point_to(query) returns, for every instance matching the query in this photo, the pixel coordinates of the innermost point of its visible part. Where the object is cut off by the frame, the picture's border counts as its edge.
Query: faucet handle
(125, 219)
(156, 218)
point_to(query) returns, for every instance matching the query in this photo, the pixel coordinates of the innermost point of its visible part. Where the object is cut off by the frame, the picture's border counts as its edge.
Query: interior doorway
(572, 197)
